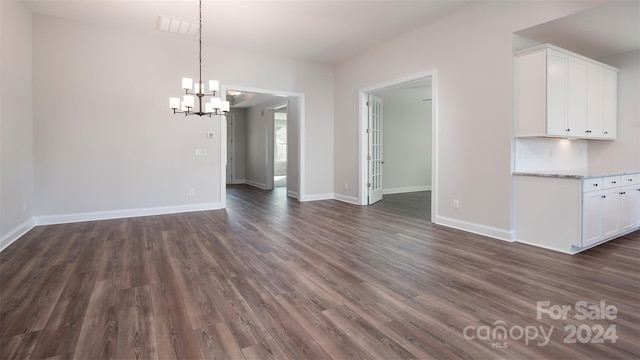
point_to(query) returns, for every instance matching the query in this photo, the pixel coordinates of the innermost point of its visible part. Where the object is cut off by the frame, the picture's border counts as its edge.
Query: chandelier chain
(200, 45)
(188, 106)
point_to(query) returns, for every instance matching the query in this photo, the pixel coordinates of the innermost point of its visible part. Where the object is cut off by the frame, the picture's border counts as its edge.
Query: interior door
(374, 158)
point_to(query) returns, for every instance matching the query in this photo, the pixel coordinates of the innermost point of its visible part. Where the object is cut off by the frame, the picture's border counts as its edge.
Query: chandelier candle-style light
(187, 106)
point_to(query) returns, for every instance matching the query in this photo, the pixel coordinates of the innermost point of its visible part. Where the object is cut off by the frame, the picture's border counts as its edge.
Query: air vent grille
(177, 26)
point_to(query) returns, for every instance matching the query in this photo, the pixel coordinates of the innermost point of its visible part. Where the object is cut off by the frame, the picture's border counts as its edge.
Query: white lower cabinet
(592, 204)
(628, 207)
(637, 203)
(571, 215)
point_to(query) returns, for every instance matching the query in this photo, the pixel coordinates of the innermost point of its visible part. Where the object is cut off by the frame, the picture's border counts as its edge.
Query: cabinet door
(627, 208)
(576, 97)
(610, 212)
(595, 101)
(609, 104)
(557, 65)
(637, 205)
(592, 217)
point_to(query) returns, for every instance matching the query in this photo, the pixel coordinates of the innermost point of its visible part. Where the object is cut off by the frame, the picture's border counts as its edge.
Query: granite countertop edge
(578, 174)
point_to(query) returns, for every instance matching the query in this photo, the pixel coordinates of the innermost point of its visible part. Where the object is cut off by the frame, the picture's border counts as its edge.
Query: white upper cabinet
(563, 94)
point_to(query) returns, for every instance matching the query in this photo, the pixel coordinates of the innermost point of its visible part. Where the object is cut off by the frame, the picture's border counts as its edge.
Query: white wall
(406, 140)
(16, 121)
(471, 51)
(239, 145)
(105, 138)
(293, 148)
(624, 152)
(259, 143)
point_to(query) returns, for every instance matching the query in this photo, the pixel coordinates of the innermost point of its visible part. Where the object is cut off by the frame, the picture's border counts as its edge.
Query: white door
(374, 157)
(230, 148)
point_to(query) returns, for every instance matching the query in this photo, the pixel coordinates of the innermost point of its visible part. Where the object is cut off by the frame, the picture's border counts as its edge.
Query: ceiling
(332, 31)
(322, 31)
(604, 30)
(248, 99)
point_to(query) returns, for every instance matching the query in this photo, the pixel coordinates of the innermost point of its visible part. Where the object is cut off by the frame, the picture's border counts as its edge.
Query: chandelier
(187, 105)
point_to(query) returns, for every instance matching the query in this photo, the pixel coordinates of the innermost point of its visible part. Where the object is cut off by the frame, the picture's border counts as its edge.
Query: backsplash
(538, 154)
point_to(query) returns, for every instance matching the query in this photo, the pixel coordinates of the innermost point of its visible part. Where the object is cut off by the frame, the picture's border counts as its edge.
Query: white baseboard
(489, 231)
(316, 197)
(256, 184)
(13, 235)
(239, 181)
(547, 247)
(121, 214)
(347, 199)
(293, 194)
(406, 189)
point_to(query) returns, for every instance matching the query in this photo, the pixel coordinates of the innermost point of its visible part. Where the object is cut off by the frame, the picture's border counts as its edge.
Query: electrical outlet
(346, 185)
(201, 152)
(211, 135)
(456, 204)
(192, 192)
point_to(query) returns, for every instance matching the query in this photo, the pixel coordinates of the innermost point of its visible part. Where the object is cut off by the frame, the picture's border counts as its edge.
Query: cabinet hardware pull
(613, 182)
(604, 197)
(606, 132)
(622, 193)
(595, 184)
(567, 130)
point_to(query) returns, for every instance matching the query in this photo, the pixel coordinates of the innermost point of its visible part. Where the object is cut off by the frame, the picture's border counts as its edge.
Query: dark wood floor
(271, 277)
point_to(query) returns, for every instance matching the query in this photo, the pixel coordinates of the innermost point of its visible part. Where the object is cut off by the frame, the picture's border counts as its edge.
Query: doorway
(409, 148)
(280, 147)
(265, 140)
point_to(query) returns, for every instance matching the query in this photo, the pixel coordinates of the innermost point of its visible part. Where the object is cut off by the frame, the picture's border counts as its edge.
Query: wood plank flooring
(274, 278)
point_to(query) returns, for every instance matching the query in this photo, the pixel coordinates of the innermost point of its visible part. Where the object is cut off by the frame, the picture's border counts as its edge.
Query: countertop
(576, 173)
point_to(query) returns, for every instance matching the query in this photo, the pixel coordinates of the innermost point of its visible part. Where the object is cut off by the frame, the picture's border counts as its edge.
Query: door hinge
(368, 103)
(368, 184)
(368, 157)
(368, 131)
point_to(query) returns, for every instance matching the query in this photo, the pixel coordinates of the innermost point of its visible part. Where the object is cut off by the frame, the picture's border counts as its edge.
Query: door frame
(300, 97)
(363, 139)
(270, 143)
(232, 163)
(372, 191)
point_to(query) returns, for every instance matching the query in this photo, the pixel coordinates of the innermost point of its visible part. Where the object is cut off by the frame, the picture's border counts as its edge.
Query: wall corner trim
(489, 231)
(316, 197)
(348, 199)
(15, 234)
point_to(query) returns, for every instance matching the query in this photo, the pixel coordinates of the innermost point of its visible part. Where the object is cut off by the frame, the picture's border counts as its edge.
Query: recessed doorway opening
(398, 143)
(263, 143)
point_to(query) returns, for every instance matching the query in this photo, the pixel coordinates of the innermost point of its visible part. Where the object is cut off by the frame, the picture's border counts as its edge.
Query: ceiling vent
(177, 26)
